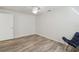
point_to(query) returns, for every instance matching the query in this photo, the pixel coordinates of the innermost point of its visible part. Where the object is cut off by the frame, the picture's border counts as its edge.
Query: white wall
(6, 26)
(60, 22)
(24, 24)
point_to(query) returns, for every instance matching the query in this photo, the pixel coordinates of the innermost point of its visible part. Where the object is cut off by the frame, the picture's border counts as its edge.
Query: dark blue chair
(74, 41)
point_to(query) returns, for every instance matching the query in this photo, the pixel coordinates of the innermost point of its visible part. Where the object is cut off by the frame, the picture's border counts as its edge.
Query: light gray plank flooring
(33, 43)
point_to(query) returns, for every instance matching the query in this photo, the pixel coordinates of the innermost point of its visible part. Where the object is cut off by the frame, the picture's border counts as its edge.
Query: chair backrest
(75, 38)
(76, 34)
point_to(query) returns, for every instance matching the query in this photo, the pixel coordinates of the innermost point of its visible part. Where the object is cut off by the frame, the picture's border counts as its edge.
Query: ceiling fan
(35, 9)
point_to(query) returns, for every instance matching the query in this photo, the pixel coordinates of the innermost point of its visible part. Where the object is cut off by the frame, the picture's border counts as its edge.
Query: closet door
(6, 26)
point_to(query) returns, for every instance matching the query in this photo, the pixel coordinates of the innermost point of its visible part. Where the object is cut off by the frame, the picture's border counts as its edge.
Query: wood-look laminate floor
(33, 43)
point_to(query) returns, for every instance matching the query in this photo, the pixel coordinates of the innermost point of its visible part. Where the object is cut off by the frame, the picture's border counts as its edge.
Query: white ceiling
(27, 9)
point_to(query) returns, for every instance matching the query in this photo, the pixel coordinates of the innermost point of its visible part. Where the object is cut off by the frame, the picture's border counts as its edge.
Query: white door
(6, 26)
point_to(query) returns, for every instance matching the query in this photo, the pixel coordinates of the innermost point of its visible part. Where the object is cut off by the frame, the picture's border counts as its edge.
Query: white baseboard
(51, 38)
(17, 36)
